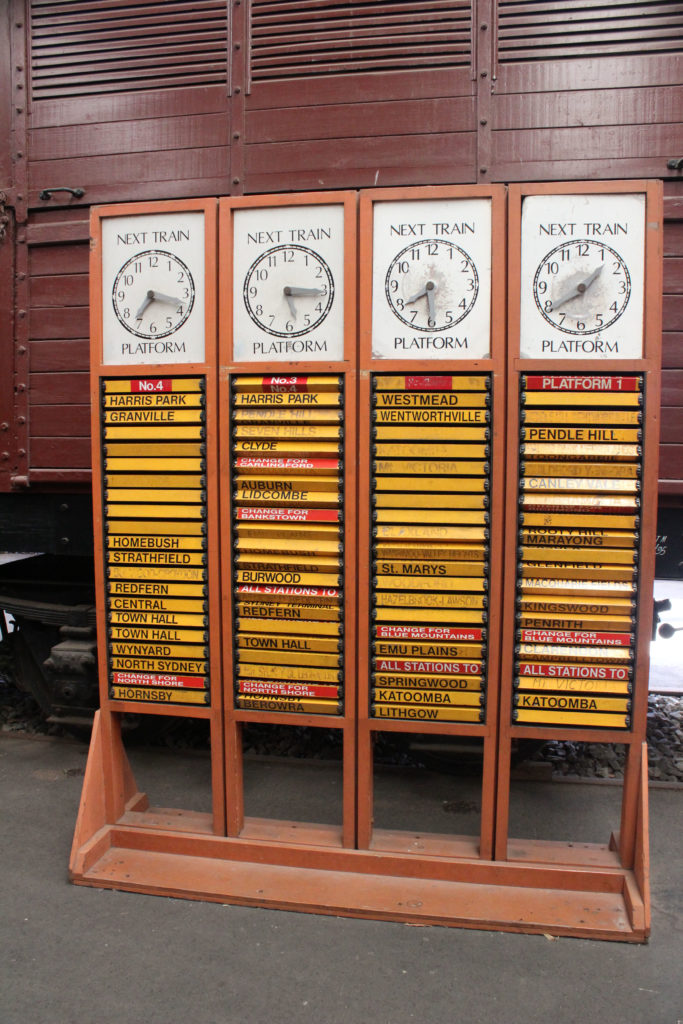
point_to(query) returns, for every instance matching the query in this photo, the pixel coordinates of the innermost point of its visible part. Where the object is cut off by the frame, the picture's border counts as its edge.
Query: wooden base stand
(295, 867)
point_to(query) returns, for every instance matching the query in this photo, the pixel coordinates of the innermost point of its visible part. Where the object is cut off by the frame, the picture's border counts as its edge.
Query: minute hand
(578, 289)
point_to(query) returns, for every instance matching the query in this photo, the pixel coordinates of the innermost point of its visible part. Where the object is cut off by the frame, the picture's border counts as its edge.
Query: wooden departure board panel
(154, 500)
(578, 553)
(287, 485)
(430, 484)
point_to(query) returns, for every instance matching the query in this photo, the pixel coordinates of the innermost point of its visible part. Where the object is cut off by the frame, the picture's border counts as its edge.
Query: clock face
(582, 273)
(307, 299)
(153, 288)
(288, 283)
(431, 279)
(153, 294)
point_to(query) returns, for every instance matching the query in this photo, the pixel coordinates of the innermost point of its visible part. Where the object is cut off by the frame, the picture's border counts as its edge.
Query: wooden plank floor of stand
(296, 499)
(430, 382)
(576, 523)
(430, 451)
(427, 649)
(562, 484)
(159, 695)
(430, 570)
(420, 435)
(579, 503)
(426, 698)
(440, 552)
(289, 577)
(267, 465)
(279, 546)
(313, 563)
(524, 716)
(568, 702)
(327, 625)
(259, 644)
(576, 652)
(288, 482)
(474, 584)
(590, 588)
(275, 688)
(289, 448)
(422, 714)
(540, 683)
(431, 501)
(319, 659)
(583, 470)
(125, 511)
(188, 574)
(431, 417)
(611, 623)
(193, 481)
(152, 385)
(439, 533)
(291, 414)
(559, 570)
(286, 383)
(290, 705)
(429, 467)
(580, 452)
(452, 616)
(571, 670)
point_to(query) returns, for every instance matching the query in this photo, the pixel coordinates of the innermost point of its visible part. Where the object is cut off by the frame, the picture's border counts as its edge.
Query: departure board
(155, 544)
(578, 548)
(287, 488)
(430, 483)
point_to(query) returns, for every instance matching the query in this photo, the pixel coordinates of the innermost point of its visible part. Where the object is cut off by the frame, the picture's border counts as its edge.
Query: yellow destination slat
(583, 470)
(154, 511)
(155, 480)
(564, 484)
(421, 435)
(154, 465)
(141, 433)
(431, 399)
(578, 523)
(160, 496)
(574, 652)
(469, 583)
(305, 400)
(159, 694)
(117, 386)
(390, 382)
(419, 501)
(248, 625)
(539, 570)
(286, 482)
(426, 649)
(277, 545)
(312, 563)
(578, 501)
(159, 529)
(259, 644)
(613, 623)
(289, 577)
(191, 574)
(297, 414)
(574, 606)
(583, 398)
(281, 610)
(158, 400)
(441, 483)
(295, 431)
(429, 570)
(422, 714)
(425, 417)
(165, 558)
(155, 416)
(280, 657)
(580, 452)
(446, 552)
(258, 446)
(431, 451)
(594, 417)
(156, 605)
(426, 698)
(289, 705)
(187, 666)
(430, 468)
(155, 450)
(590, 537)
(573, 685)
(430, 600)
(158, 588)
(443, 533)
(524, 716)
(597, 588)
(297, 672)
(571, 702)
(286, 383)
(452, 616)
(421, 515)
(161, 619)
(151, 649)
(296, 499)
(157, 634)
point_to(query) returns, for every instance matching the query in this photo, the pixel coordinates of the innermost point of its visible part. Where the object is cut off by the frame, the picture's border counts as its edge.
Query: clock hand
(145, 303)
(578, 289)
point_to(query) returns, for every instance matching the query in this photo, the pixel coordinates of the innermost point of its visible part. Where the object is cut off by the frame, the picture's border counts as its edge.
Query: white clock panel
(582, 276)
(288, 283)
(431, 279)
(153, 288)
